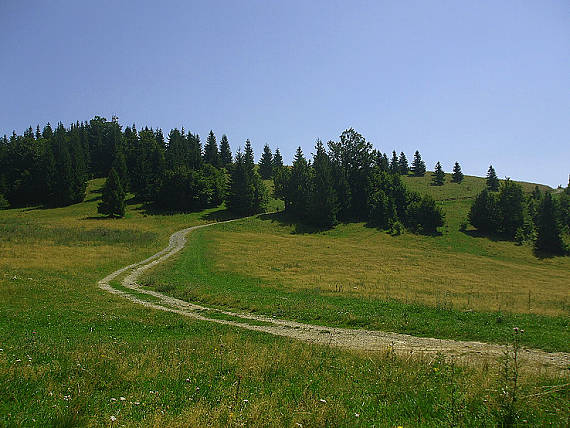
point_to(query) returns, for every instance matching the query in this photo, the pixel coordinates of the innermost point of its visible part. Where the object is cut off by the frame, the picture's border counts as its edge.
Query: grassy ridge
(69, 351)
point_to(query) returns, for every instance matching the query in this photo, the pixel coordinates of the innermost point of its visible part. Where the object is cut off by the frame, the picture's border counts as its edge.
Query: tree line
(350, 181)
(503, 209)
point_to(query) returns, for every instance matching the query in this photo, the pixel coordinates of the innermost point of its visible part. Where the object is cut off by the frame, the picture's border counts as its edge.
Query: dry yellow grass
(369, 263)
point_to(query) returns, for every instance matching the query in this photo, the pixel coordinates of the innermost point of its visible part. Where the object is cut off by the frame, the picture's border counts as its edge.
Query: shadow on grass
(474, 233)
(219, 215)
(285, 219)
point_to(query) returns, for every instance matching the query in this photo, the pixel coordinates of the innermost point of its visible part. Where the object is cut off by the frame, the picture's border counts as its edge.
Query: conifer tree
(492, 179)
(403, 164)
(323, 206)
(418, 165)
(277, 161)
(247, 194)
(457, 176)
(299, 187)
(394, 165)
(225, 152)
(548, 239)
(438, 176)
(266, 163)
(211, 154)
(113, 197)
(120, 166)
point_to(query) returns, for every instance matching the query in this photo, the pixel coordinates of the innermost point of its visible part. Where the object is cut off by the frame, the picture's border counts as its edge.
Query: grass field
(457, 285)
(73, 355)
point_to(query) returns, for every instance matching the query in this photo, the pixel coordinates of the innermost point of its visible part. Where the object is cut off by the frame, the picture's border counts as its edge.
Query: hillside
(71, 354)
(444, 286)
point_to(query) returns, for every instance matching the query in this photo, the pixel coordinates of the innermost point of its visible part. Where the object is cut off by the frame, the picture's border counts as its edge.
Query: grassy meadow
(457, 285)
(74, 355)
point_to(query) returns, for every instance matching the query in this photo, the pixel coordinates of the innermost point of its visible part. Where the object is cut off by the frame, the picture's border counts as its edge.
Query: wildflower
(113, 419)
(357, 415)
(323, 400)
(122, 398)
(516, 329)
(113, 399)
(246, 401)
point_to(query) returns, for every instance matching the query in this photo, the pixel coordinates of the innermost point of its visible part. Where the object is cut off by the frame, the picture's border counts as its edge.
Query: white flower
(113, 419)
(322, 400)
(122, 398)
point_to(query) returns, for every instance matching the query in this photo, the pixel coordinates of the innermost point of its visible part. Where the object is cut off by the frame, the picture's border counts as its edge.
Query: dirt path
(341, 337)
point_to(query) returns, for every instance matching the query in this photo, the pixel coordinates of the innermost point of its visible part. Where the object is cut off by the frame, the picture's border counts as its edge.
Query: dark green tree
(323, 206)
(266, 163)
(225, 152)
(548, 239)
(424, 215)
(438, 176)
(120, 166)
(418, 165)
(457, 176)
(113, 197)
(211, 154)
(394, 165)
(511, 203)
(492, 179)
(484, 213)
(247, 194)
(403, 164)
(299, 188)
(277, 161)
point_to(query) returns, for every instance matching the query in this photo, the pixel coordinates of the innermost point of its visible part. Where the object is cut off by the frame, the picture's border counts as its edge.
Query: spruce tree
(225, 152)
(323, 206)
(548, 239)
(266, 163)
(492, 179)
(394, 165)
(418, 165)
(403, 164)
(113, 197)
(438, 176)
(247, 194)
(277, 161)
(120, 166)
(457, 176)
(299, 187)
(211, 154)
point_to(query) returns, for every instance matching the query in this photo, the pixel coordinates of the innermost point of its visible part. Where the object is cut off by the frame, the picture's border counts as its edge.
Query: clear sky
(479, 82)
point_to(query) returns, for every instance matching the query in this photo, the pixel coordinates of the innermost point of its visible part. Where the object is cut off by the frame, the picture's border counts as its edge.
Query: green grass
(194, 277)
(70, 351)
(457, 285)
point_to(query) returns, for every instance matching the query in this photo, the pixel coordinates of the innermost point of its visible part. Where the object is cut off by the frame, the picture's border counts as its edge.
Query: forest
(344, 181)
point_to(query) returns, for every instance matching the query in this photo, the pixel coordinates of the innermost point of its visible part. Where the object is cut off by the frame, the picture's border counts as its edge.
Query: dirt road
(341, 337)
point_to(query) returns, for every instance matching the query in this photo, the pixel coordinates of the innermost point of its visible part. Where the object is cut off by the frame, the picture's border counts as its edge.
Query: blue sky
(479, 82)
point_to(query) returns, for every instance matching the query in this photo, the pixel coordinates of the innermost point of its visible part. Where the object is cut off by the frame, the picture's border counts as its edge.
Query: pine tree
(113, 197)
(418, 165)
(394, 165)
(120, 166)
(438, 176)
(492, 179)
(266, 163)
(403, 164)
(277, 161)
(247, 194)
(323, 203)
(225, 152)
(457, 176)
(299, 187)
(211, 154)
(548, 239)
